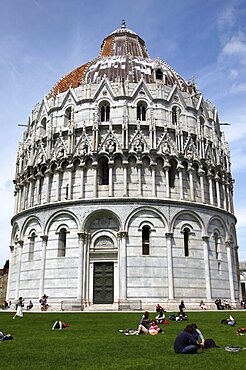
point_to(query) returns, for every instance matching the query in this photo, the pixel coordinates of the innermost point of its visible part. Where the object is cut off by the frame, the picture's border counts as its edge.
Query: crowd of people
(20, 305)
(188, 341)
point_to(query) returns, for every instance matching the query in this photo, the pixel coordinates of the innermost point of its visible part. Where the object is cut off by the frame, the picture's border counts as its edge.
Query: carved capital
(122, 234)
(44, 238)
(169, 235)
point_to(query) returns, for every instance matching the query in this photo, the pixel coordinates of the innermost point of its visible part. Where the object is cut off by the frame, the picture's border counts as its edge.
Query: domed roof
(123, 57)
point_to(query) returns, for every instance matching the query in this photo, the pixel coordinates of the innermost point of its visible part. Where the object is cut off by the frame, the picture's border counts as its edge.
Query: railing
(72, 305)
(129, 305)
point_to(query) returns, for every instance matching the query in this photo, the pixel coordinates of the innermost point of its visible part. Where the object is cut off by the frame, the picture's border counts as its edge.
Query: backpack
(210, 343)
(172, 318)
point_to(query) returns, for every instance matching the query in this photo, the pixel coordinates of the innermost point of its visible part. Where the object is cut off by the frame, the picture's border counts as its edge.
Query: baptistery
(123, 190)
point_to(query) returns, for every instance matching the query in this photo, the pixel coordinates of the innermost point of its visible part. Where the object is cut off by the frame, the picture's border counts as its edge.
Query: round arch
(144, 209)
(57, 214)
(220, 221)
(27, 223)
(190, 213)
(95, 215)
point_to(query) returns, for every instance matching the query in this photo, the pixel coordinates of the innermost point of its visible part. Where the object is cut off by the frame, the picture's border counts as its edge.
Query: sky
(42, 40)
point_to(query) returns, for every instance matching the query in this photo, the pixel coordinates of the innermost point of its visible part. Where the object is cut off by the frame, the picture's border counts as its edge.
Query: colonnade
(46, 187)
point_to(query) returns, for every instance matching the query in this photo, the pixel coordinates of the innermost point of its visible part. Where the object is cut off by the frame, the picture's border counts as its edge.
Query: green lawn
(93, 341)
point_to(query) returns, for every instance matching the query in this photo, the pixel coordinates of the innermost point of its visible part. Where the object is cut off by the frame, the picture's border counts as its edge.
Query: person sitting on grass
(197, 334)
(160, 318)
(185, 343)
(181, 316)
(152, 330)
(145, 320)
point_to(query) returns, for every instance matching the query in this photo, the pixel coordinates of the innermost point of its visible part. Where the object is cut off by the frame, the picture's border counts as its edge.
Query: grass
(93, 341)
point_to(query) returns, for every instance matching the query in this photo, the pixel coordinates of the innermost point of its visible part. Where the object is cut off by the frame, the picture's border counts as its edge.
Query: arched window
(186, 241)
(172, 173)
(159, 74)
(141, 112)
(103, 171)
(216, 245)
(68, 116)
(31, 246)
(145, 240)
(105, 112)
(62, 241)
(175, 115)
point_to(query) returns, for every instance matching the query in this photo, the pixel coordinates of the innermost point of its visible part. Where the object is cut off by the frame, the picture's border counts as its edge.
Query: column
(122, 236)
(20, 196)
(30, 193)
(82, 176)
(231, 198)
(80, 289)
(94, 165)
(110, 179)
(86, 270)
(206, 266)
(16, 195)
(47, 185)
(166, 168)
(201, 174)
(20, 247)
(70, 178)
(56, 184)
(125, 163)
(169, 237)
(224, 195)
(190, 170)
(139, 166)
(217, 178)
(152, 168)
(39, 190)
(230, 271)
(42, 265)
(211, 198)
(180, 168)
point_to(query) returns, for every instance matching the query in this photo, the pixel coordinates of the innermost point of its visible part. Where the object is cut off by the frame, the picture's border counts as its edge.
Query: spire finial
(123, 24)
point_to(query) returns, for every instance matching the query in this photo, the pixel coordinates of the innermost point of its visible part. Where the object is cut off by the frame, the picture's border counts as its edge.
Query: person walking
(19, 307)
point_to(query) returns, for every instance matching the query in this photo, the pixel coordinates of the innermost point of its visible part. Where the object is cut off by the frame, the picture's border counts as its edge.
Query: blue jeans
(189, 349)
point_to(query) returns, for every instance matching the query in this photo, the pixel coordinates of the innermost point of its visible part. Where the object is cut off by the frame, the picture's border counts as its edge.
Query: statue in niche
(82, 149)
(110, 146)
(190, 151)
(138, 146)
(40, 158)
(166, 148)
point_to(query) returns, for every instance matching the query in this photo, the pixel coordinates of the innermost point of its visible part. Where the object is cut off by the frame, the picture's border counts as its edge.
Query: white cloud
(227, 17)
(233, 73)
(238, 88)
(236, 45)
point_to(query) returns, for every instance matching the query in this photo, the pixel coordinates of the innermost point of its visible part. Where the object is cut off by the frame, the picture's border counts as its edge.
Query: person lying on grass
(59, 325)
(5, 337)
